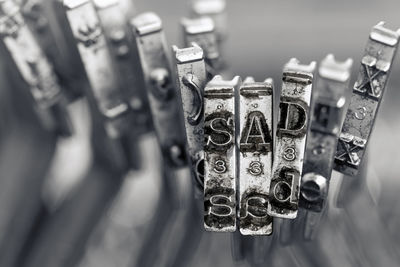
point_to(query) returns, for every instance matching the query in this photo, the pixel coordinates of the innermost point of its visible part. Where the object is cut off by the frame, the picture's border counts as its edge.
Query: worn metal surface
(328, 109)
(191, 79)
(30, 62)
(219, 155)
(366, 98)
(291, 139)
(255, 155)
(120, 40)
(105, 91)
(202, 31)
(151, 43)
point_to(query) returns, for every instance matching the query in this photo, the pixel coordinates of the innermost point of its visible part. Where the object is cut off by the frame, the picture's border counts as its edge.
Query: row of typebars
(249, 163)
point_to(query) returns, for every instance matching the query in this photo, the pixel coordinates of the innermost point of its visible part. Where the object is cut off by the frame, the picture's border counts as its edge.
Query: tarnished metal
(120, 41)
(216, 9)
(202, 32)
(365, 100)
(98, 63)
(291, 139)
(328, 110)
(191, 79)
(255, 155)
(32, 65)
(151, 43)
(219, 155)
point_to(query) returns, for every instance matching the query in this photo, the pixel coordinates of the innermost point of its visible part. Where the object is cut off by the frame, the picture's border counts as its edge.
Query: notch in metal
(291, 139)
(255, 155)
(219, 155)
(30, 61)
(366, 98)
(164, 105)
(191, 79)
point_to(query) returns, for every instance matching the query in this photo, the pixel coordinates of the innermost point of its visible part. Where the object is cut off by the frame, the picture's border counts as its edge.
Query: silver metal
(98, 63)
(151, 43)
(33, 66)
(365, 100)
(238, 246)
(216, 9)
(40, 18)
(120, 41)
(191, 79)
(219, 155)
(255, 155)
(202, 31)
(328, 110)
(291, 139)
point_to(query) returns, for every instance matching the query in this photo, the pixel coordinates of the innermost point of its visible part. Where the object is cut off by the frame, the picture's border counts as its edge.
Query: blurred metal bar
(216, 9)
(202, 32)
(120, 40)
(20, 184)
(291, 139)
(98, 63)
(219, 155)
(327, 117)
(34, 70)
(238, 246)
(61, 237)
(328, 109)
(255, 155)
(44, 22)
(151, 43)
(166, 112)
(110, 108)
(365, 101)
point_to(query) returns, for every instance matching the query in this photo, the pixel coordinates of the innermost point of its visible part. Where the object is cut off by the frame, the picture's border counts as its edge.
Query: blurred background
(60, 205)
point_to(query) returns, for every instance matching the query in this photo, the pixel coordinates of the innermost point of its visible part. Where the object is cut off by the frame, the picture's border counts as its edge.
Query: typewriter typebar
(215, 9)
(328, 109)
(291, 139)
(164, 105)
(365, 100)
(219, 155)
(191, 79)
(46, 24)
(105, 88)
(255, 155)
(202, 32)
(120, 40)
(30, 63)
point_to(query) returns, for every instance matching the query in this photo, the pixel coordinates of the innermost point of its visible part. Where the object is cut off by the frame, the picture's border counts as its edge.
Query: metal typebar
(366, 98)
(219, 155)
(120, 41)
(202, 32)
(40, 16)
(255, 155)
(216, 9)
(161, 91)
(98, 64)
(291, 139)
(31, 64)
(328, 111)
(191, 79)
